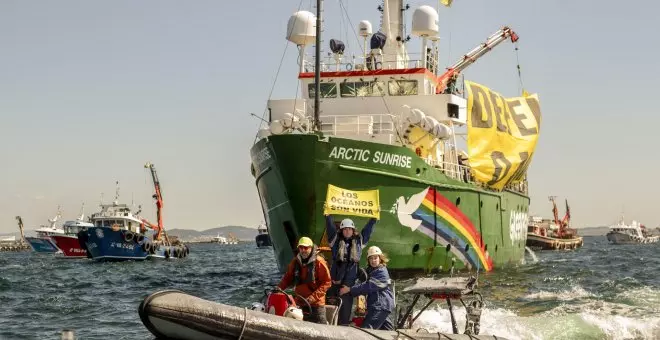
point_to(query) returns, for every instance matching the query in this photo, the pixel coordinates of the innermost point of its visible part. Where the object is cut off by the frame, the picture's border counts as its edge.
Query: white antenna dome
(301, 28)
(364, 28)
(425, 22)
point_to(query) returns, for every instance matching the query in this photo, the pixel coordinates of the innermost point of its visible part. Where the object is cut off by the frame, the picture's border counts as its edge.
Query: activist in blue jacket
(346, 248)
(380, 299)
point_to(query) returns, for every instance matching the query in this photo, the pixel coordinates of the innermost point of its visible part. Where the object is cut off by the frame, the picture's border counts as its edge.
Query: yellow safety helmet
(305, 242)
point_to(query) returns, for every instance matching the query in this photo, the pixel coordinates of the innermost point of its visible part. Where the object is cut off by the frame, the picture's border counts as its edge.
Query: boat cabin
(117, 217)
(73, 227)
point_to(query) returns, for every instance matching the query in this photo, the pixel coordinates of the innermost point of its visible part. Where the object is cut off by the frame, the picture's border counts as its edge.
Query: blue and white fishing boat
(42, 243)
(120, 235)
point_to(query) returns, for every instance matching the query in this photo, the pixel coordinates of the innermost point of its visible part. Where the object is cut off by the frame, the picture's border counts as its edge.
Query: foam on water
(587, 322)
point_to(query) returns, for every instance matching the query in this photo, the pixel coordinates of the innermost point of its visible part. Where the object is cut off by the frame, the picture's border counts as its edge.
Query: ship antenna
(317, 67)
(117, 194)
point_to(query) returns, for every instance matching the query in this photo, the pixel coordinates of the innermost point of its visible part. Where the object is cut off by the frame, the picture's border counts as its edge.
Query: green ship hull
(427, 219)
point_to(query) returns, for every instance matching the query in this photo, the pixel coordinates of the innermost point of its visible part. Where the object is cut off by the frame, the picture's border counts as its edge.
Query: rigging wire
(521, 86)
(286, 46)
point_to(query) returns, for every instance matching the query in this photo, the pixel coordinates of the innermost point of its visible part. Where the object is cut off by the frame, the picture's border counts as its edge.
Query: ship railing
(518, 187)
(463, 173)
(342, 125)
(452, 170)
(384, 61)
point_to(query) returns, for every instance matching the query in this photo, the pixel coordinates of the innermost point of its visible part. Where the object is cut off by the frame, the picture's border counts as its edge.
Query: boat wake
(532, 254)
(598, 320)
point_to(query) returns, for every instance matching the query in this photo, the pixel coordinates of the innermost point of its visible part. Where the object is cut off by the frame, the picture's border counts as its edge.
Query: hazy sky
(91, 90)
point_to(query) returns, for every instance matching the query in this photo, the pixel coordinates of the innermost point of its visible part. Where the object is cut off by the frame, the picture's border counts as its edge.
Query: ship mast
(394, 51)
(317, 67)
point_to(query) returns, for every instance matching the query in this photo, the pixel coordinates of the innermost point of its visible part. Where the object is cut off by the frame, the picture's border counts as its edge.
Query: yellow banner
(502, 135)
(349, 202)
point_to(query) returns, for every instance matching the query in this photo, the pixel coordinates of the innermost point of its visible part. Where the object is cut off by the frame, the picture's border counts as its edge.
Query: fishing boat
(220, 239)
(68, 242)
(553, 235)
(387, 121)
(633, 233)
(262, 238)
(43, 243)
(120, 235)
(172, 314)
(232, 239)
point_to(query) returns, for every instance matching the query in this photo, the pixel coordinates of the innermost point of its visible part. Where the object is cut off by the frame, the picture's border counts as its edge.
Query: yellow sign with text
(502, 135)
(350, 202)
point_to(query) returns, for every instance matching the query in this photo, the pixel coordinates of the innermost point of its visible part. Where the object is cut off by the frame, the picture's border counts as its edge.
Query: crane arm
(159, 199)
(469, 58)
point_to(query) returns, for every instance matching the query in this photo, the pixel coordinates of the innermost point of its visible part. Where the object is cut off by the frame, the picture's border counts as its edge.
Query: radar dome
(301, 28)
(425, 21)
(364, 28)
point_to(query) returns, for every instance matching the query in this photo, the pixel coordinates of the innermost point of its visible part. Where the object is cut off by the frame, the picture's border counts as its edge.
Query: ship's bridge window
(362, 89)
(328, 90)
(403, 87)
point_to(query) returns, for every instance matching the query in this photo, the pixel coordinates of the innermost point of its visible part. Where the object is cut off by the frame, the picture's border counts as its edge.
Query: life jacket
(354, 255)
(311, 268)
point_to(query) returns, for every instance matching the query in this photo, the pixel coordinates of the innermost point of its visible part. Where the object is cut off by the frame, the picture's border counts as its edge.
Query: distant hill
(242, 233)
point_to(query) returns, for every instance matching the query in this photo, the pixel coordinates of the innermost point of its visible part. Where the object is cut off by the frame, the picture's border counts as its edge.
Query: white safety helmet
(373, 250)
(294, 313)
(258, 306)
(346, 223)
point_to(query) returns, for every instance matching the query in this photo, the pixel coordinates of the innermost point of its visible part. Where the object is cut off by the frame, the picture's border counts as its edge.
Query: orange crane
(159, 202)
(468, 59)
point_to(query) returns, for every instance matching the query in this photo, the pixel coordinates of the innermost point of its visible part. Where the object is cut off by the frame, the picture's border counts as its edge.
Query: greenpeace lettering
(349, 202)
(364, 155)
(502, 135)
(518, 226)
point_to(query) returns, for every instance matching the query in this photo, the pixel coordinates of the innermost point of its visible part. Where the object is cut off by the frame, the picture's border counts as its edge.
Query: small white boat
(632, 233)
(220, 239)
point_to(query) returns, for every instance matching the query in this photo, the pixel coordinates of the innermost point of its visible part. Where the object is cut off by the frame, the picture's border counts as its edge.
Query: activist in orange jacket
(310, 275)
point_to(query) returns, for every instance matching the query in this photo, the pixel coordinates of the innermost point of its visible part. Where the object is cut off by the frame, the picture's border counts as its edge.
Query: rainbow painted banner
(451, 226)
